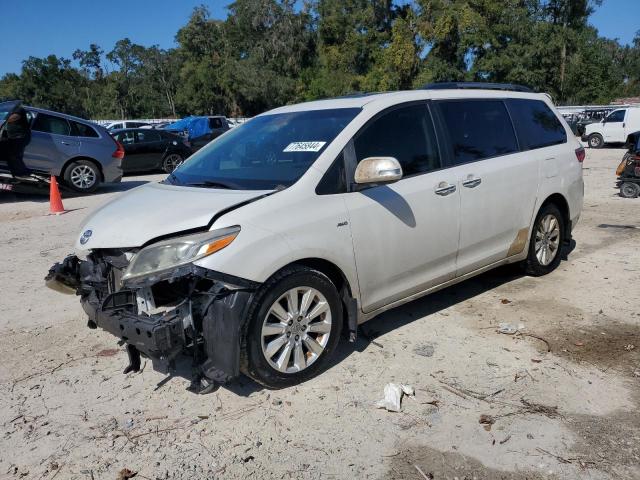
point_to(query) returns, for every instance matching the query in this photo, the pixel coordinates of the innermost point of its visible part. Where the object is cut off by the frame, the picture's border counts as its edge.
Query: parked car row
(84, 154)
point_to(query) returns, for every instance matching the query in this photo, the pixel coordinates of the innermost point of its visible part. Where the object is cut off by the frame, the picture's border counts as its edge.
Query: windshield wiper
(209, 184)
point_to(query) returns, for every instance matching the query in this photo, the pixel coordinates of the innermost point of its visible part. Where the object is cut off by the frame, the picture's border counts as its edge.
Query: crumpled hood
(153, 210)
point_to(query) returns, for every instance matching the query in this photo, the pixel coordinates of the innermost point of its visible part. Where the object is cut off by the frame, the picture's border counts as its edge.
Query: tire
(595, 140)
(629, 190)
(82, 176)
(171, 161)
(537, 262)
(274, 367)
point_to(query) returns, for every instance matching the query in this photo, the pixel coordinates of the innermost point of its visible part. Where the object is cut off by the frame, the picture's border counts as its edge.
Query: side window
(125, 138)
(215, 123)
(145, 136)
(616, 116)
(82, 130)
(536, 124)
(478, 129)
(117, 126)
(50, 124)
(405, 133)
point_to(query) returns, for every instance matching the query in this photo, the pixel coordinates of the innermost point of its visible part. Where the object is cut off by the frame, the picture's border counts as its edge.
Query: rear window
(536, 124)
(50, 124)
(478, 129)
(82, 130)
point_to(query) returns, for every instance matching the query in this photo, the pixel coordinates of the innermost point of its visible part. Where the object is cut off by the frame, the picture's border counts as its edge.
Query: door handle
(472, 182)
(445, 189)
(64, 143)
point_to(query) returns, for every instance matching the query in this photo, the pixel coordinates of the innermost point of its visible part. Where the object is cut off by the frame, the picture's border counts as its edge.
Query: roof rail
(476, 85)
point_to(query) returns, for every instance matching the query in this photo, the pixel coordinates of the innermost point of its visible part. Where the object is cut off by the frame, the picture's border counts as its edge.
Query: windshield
(266, 153)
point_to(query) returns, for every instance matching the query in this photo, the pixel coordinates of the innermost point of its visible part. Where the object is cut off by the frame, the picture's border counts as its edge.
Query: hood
(154, 210)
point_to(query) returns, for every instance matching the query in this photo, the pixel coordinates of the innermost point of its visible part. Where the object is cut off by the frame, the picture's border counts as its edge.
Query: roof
(58, 114)
(372, 99)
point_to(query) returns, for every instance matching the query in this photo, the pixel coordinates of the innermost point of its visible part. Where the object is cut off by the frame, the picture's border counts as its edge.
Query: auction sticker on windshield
(304, 147)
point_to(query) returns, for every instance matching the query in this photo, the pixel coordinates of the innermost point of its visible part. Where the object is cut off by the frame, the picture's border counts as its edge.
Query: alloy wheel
(83, 177)
(547, 241)
(171, 162)
(296, 329)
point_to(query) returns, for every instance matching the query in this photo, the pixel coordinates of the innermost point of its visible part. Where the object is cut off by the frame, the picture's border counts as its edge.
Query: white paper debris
(393, 396)
(304, 147)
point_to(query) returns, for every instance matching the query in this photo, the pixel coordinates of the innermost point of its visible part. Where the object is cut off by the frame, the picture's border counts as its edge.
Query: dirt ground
(67, 412)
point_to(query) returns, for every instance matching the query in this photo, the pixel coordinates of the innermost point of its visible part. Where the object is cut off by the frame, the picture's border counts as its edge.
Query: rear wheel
(546, 241)
(595, 140)
(629, 190)
(83, 176)
(171, 162)
(294, 327)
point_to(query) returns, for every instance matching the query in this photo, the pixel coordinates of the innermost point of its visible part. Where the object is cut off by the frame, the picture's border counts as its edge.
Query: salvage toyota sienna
(263, 248)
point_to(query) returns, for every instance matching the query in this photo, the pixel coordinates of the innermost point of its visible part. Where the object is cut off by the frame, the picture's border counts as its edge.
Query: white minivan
(258, 252)
(614, 128)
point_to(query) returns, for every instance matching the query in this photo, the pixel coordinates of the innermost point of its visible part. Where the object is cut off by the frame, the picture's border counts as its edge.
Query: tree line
(268, 53)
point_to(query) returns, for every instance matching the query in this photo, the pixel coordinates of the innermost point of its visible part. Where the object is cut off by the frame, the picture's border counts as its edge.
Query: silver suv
(81, 153)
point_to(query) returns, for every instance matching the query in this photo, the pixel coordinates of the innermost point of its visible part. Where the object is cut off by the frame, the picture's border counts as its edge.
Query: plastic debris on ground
(510, 328)
(393, 394)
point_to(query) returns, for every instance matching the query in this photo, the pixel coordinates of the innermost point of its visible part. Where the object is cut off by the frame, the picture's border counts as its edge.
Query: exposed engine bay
(186, 312)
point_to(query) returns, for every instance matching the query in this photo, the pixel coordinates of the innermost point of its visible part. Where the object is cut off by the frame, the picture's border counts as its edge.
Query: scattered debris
(579, 344)
(424, 475)
(424, 350)
(506, 439)
(108, 352)
(125, 473)
(393, 394)
(505, 301)
(629, 347)
(536, 360)
(531, 407)
(530, 436)
(557, 457)
(487, 419)
(509, 328)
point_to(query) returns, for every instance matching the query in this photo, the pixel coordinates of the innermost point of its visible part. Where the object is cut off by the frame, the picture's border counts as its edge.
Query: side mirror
(378, 170)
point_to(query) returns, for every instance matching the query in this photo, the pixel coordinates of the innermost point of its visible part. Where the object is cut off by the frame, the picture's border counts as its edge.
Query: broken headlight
(178, 251)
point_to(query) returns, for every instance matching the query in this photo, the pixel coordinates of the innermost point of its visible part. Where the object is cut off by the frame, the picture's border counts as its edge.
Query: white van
(614, 128)
(263, 247)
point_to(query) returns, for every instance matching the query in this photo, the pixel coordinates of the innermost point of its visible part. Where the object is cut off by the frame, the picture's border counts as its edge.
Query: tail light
(580, 154)
(119, 153)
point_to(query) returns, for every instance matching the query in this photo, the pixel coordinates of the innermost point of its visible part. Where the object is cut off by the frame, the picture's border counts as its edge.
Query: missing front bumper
(203, 313)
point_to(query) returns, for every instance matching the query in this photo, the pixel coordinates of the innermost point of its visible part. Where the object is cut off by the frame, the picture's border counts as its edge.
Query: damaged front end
(187, 311)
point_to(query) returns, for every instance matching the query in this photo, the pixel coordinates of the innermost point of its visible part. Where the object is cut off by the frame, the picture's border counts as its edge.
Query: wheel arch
(561, 203)
(342, 284)
(75, 159)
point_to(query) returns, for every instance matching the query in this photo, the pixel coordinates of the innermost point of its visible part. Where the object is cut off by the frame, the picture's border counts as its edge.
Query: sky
(42, 27)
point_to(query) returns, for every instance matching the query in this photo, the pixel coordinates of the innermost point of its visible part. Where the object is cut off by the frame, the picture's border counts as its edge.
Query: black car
(148, 149)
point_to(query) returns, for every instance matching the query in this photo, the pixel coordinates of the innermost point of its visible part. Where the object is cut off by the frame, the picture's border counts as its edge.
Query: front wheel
(294, 327)
(629, 190)
(595, 140)
(546, 241)
(171, 162)
(82, 176)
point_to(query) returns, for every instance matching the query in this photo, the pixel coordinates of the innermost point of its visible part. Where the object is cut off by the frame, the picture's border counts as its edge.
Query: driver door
(405, 234)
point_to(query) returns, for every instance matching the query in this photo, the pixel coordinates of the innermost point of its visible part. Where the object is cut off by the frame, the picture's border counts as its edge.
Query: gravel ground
(67, 412)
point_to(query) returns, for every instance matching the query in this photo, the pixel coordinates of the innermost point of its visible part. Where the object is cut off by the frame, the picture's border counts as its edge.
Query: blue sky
(42, 27)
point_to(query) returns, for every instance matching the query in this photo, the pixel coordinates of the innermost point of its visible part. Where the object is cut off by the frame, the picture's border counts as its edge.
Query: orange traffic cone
(55, 201)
